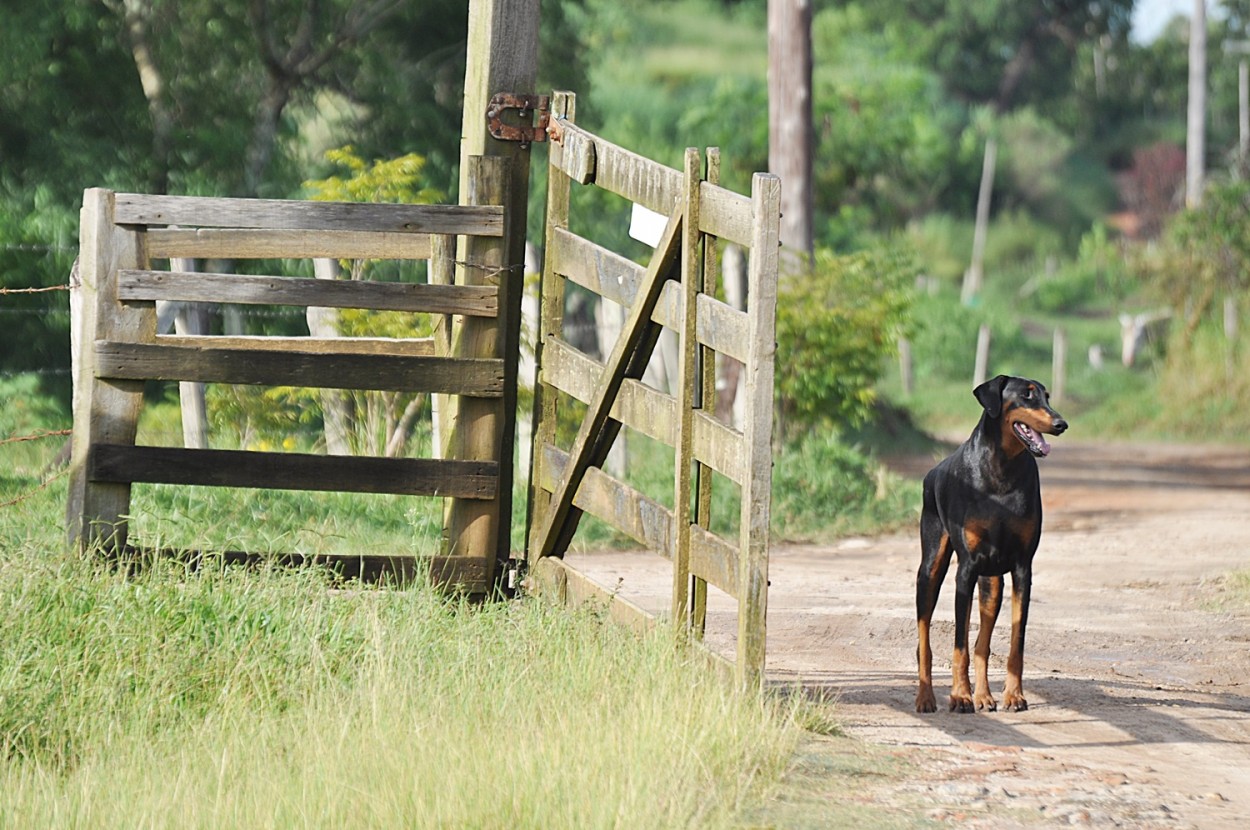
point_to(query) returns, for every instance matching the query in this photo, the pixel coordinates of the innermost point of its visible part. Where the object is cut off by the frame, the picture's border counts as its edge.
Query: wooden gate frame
(677, 290)
(118, 349)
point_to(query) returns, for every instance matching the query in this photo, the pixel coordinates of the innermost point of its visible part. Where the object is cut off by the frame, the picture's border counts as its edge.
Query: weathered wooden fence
(677, 290)
(119, 350)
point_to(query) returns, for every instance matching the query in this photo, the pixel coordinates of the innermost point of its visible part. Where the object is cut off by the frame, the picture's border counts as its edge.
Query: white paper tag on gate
(646, 225)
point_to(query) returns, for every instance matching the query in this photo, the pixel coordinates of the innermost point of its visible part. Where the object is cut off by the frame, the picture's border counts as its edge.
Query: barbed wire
(32, 493)
(55, 433)
(34, 290)
(35, 437)
(40, 247)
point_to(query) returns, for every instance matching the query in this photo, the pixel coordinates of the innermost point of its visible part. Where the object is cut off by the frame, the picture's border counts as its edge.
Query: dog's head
(1023, 405)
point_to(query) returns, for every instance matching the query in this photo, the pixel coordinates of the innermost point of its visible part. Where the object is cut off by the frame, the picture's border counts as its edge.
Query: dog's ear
(990, 395)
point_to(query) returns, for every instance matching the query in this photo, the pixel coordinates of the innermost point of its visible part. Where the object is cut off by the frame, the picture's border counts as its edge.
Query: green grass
(245, 699)
(230, 697)
(254, 698)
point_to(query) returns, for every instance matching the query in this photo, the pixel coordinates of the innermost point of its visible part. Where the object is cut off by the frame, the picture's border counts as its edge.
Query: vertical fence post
(550, 325)
(685, 393)
(477, 427)
(105, 411)
(191, 318)
(1059, 366)
(905, 368)
(502, 57)
(442, 272)
(705, 400)
(335, 403)
(757, 430)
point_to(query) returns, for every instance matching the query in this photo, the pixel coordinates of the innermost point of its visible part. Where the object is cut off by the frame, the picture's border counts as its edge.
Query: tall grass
(271, 698)
(227, 698)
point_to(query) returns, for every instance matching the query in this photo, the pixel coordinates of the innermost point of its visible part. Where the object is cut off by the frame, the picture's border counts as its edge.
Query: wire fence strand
(34, 290)
(35, 437)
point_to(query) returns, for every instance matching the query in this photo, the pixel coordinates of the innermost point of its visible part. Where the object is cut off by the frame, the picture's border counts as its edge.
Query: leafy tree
(1205, 254)
(835, 327)
(220, 98)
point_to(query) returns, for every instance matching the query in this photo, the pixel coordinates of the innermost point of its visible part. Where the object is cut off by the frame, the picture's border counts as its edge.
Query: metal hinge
(526, 106)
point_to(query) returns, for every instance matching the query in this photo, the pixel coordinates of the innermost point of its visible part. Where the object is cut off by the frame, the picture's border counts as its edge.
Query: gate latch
(526, 106)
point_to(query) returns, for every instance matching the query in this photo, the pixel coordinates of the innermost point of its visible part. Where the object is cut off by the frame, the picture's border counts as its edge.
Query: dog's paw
(962, 702)
(1014, 702)
(985, 700)
(925, 701)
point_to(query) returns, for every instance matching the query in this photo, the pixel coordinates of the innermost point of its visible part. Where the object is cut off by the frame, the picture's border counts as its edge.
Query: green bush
(1097, 276)
(822, 485)
(835, 327)
(1015, 238)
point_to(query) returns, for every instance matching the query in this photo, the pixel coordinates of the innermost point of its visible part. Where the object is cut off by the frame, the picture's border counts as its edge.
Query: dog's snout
(1059, 425)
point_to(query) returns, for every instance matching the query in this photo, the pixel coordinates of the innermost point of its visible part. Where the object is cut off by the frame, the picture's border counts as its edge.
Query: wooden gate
(676, 290)
(119, 349)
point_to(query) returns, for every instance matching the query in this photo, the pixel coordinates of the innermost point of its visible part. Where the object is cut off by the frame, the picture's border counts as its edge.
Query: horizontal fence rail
(276, 214)
(469, 300)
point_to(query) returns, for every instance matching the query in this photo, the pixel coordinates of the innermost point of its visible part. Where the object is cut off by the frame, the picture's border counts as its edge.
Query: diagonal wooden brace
(628, 359)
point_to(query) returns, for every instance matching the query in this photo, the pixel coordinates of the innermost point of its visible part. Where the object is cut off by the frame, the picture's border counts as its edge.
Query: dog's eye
(1029, 395)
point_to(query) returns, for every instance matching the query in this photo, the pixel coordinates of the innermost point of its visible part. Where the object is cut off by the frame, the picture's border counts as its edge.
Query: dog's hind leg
(1021, 588)
(990, 598)
(961, 689)
(936, 558)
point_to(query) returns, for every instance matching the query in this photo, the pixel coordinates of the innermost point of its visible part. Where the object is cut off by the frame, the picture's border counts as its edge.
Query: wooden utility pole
(1195, 133)
(1241, 48)
(790, 122)
(502, 57)
(974, 278)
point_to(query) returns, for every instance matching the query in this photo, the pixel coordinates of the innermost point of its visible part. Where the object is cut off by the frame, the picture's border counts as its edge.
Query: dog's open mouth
(1031, 438)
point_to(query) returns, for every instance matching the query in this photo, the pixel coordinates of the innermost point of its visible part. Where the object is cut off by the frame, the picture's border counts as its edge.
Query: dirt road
(1136, 675)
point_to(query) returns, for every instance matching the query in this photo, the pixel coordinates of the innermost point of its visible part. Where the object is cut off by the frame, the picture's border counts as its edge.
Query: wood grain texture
(642, 519)
(610, 275)
(281, 214)
(722, 327)
(757, 429)
(550, 327)
(565, 585)
(210, 243)
(117, 463)
(714, 559)
(103, 411)
(143, 361)
(629, 357)
(725, 214)
(397, 347)
(637, 405)
(620, 171)
(468, 300)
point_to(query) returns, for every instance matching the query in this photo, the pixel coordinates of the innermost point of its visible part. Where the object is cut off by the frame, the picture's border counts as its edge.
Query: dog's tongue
(1041, 443)
(1034, 438)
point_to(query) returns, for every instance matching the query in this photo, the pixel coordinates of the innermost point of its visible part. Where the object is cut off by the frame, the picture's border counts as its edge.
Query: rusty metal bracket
(526, 106)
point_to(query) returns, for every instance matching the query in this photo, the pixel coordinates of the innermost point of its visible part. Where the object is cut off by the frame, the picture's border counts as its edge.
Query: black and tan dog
(984, 504)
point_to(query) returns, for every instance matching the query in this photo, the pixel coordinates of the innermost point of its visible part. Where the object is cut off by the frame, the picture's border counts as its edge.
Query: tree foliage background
(243, 98)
